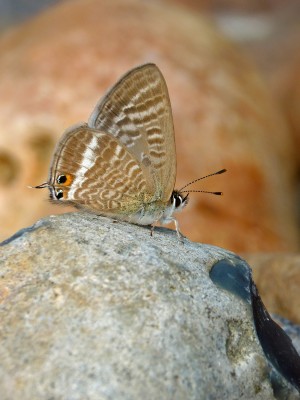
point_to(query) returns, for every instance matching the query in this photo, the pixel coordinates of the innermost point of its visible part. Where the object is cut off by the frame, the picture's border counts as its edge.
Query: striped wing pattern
(102, 174)
(137, 111)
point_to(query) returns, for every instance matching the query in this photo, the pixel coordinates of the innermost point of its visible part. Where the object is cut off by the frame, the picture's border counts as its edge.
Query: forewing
(99, 173)
(137, 111)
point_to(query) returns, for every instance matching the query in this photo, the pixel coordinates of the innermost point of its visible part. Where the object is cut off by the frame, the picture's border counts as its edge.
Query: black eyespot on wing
(59, 194)
(61, 179)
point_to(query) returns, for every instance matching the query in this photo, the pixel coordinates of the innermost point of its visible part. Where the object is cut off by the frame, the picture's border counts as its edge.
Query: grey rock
(92, 309)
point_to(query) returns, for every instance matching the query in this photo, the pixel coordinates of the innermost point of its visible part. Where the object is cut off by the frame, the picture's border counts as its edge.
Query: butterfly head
(178, 200)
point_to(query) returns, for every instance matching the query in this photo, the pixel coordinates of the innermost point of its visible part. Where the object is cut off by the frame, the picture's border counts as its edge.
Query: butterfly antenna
(199, 179)
(201, 191)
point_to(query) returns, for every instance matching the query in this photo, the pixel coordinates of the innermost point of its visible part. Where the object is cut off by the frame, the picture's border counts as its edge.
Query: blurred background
(232, 68)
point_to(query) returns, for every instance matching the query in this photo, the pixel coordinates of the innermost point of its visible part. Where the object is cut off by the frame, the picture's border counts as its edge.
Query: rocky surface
(54, 69)
(100, 310)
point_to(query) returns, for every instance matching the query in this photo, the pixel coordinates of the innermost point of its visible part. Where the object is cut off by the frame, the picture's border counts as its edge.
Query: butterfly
(122, 162)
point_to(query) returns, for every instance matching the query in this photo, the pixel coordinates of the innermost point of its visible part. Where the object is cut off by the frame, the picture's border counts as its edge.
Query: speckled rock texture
(54, 69)
(92, 309)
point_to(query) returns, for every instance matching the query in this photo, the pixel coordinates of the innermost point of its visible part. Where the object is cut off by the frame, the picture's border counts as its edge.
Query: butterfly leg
(172, 219)
(179, 234)
(152, 230)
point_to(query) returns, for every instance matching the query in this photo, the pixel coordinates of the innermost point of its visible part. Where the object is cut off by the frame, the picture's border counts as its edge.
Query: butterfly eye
(59, 194)
(178, 200)
(61, 179)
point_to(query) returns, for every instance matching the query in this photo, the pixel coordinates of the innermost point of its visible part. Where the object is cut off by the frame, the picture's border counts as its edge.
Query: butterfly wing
(94, 170)
(137, 112)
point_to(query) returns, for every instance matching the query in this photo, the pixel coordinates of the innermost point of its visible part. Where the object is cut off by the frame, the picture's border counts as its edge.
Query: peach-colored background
(234, 88)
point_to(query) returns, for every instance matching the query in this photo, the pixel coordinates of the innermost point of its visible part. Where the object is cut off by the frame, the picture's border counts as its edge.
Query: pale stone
(92, 309)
